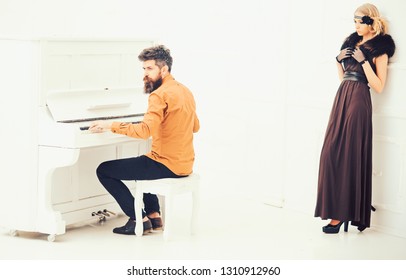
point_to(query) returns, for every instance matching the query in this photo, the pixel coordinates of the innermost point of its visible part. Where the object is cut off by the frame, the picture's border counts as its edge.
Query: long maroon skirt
(345, 173)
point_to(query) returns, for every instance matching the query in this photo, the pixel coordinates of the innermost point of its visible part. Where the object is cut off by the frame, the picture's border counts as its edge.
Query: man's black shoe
(129, 228)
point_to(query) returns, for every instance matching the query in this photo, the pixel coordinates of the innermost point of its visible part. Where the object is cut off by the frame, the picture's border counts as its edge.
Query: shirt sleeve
(152, 119)
(196, 125)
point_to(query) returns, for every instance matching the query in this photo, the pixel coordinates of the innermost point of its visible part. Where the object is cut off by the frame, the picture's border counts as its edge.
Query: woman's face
(362, 29)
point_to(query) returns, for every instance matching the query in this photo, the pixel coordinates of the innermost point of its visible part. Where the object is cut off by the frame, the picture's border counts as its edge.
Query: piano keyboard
(87, 127)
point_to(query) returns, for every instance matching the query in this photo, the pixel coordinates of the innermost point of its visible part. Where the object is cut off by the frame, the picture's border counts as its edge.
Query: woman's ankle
(334, 222)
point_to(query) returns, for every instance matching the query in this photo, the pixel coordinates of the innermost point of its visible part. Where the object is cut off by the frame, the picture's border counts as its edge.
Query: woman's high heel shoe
(335, 229)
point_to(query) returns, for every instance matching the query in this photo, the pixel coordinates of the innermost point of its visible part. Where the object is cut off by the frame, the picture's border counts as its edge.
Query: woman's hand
(345, 53)
(358, 55)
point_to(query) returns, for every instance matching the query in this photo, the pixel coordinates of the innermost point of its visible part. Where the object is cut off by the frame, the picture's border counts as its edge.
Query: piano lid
(87, 105)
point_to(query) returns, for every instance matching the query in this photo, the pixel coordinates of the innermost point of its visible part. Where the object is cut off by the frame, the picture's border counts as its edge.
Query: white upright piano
(51, 90)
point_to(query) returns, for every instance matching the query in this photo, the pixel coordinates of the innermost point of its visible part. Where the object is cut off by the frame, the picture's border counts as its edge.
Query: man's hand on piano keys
(100, 126)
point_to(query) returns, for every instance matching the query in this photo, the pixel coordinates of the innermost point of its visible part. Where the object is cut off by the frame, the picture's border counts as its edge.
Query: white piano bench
(167, 188)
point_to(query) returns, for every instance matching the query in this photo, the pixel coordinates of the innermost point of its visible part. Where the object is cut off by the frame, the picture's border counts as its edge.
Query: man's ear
(165, 70)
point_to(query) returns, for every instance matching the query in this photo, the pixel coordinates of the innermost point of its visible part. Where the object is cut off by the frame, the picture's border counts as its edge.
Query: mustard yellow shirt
(171, 121)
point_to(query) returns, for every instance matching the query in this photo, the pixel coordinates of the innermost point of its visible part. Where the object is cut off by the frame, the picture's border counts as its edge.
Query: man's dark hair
(160, 54)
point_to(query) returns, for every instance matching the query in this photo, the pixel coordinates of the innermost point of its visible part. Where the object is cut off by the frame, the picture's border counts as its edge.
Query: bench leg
(195, 210)
(138, 202)
(168, 210)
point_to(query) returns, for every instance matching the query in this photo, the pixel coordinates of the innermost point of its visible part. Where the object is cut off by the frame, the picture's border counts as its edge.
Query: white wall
(264, 78)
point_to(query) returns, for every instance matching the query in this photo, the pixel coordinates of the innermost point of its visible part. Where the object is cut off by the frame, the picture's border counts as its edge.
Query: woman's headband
(365, 19)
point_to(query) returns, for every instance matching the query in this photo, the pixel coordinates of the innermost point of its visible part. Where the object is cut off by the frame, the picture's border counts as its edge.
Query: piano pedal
(109, 212)
(103, 213)
(102, 218)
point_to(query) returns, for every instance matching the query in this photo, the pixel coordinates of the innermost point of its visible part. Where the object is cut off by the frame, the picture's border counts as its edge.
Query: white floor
(226, 232)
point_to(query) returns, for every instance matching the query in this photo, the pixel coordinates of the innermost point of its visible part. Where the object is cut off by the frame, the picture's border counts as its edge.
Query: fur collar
(377, 46)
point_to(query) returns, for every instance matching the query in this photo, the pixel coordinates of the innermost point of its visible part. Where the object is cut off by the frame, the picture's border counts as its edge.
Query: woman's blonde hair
(379, 26)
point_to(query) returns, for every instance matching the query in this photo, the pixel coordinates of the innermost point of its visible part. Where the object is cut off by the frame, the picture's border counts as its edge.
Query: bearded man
(170, 121)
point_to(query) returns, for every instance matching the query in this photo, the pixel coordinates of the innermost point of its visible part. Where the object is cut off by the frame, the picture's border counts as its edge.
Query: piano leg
(50, 158)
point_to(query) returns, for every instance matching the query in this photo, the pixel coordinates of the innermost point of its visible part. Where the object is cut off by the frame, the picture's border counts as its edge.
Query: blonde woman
(345, 172)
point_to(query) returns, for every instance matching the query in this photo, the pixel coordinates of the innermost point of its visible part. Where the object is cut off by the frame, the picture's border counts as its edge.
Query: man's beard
(150, 85)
